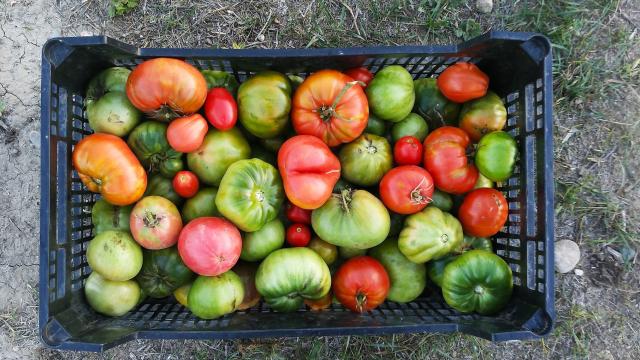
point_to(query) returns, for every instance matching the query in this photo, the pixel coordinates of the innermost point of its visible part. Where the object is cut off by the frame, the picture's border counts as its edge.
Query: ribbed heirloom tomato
(483, 212)
(361, 284)
(406, 189)
(462, 82)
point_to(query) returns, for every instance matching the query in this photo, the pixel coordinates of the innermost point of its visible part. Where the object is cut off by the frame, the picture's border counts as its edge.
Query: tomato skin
(446, 160)
(360, 74)
(186, 183)
(406, 189)
(297, 214)
(298, 235)
(408, 151)
(361, 284)
(165, 87)
(462, 82)
(186, 134)
(321, 108)
(155, 223)
(106, 165)
(221, 109)
(309, 171)
(209, 246)
(483, 212)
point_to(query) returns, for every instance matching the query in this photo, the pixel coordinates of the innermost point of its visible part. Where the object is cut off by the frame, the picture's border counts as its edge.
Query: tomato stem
(327, 112)
(345, 198)
(361, 301)
(416, 194)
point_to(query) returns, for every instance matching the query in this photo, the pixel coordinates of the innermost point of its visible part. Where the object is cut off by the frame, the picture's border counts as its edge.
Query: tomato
(375, 126)
(390, 93)
(186, 134)
(182, 294)
(462, 82)
(258, 244)
(407, 278)
(221, 79)
(361, 284)
(349, 252)
(213, 296)
(361, 74)
(413, 125)
(149, 142)
(482, 116)
(162, 272)
(218, 151)
(247, 273)
(483, 212)
(435, 268)
(186, 183)
(483, 181)
(328, 252)
(203, 203)
(114, 255)
(429, 235)
(161, 186)
(166, 88)
(221, 109)
(473, 242)
(309, 171)
(436, 109)
(105, 216)
(155, 223)
(330, 106)
(298, 235)
(446, 160)
(106, 165)
(297, 214)
(408, 151)
(264, 103)
(111, 298)
(295, 81)
(496, 155)
(209, 245)
(365, 160)
(320, 304)
(406, 189)
(442, 200)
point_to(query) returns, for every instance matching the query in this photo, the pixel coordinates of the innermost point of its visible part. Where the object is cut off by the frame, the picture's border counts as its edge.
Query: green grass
(121, 7)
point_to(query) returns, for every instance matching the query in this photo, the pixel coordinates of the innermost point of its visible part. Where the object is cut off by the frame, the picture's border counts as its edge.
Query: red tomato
(221, 109)
(186, 183)
(361, 284)
(408, 151)
(446, 160)
(209, 246)
(186, 134)
(330, 106)
(309, 171)
(462, 82)
(298, 215)
(483, 212)
(406, 189)
(298, 235)
(360, 74)
(155, 223)
(166, 88)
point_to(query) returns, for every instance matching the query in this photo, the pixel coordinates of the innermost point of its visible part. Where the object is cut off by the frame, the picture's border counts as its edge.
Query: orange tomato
(186, 134)
(320, 304)
(462, 82)
(106, 165)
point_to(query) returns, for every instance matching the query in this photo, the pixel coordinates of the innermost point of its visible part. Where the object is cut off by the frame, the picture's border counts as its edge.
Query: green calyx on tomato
(250, 194)
(375, 126)
(258, 244)
(264, 102)
(477, 281)
(365, 160)
(412, 125)
(436, 109)
(217, 78)
(496, 155)
(162, 272)
(159, 185)
(202, 204)
(429, 234)
(390, 93)
(149, 142)
(105, 216)
(482, 116)
(408, 279)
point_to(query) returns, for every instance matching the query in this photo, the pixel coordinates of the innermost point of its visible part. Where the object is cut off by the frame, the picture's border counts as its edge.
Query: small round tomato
(360, 74)
(408, 151)
(221, 109)
(462, 82)
(483, 212)
(406, 189)
(361, 284)
(186, 134)
(297, 214)
(298, 235)
(186, 183)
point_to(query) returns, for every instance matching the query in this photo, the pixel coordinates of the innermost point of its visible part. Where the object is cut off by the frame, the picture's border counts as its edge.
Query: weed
(121, 7)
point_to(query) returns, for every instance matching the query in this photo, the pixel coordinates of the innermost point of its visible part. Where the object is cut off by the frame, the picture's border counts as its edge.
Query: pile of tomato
(342, 186)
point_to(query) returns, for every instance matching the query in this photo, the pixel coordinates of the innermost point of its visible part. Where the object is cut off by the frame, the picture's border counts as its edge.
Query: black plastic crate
(519, 65)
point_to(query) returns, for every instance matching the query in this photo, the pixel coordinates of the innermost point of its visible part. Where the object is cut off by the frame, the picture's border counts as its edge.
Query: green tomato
(436, 109)
(441, 200)
(472, 242)
(111, 298)
(202, 204)
(429, 234)
(250, 194)
(407, 278)
(390, 93)
(162, 272)
(115, 255)
(258, 244)
(477, 281)
(375, 126)
(365, 160)
(218, 151)
(483, 182)
(349, 252)
(213, 296)
(105, 216)
(264, 102)
(397, 222)
(149, 142)
(182, 294)
(435, 268)
(328, 252)
(496, 155)
(413, 125)
(216, 78)
(159, 185)
(288, 276)
(355, 219)
(295, 81)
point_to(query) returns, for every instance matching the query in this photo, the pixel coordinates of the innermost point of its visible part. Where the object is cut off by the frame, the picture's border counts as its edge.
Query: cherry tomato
(360, 74)
(483, 212)
(298, 235)
(408, 151)
(221, 109)
(406, 189)
(361, 284)
(186, 134)
(297, 214)
(462, 82)
(186, 183)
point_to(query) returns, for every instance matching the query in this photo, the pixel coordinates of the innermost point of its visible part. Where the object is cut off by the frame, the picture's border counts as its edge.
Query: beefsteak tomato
(264, 103)
(390, 93)
(483, 212)
(361, 284)
(482, 116)
(162, 272)
(365, 160)
(149, 142)
(406, 189)
(429, 234)
(436, 109)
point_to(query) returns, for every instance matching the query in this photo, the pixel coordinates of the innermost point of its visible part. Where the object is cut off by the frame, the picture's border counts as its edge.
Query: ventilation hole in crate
(540, 246)
(514, 218)
(541, 288)
(514, 267)
(517, 281)
(515, 243)
(514, 255)
(540, 273)
(529, 107)
(501, 241)
(540, 260)
(501, 252)
(514, 205)
(513, 230)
